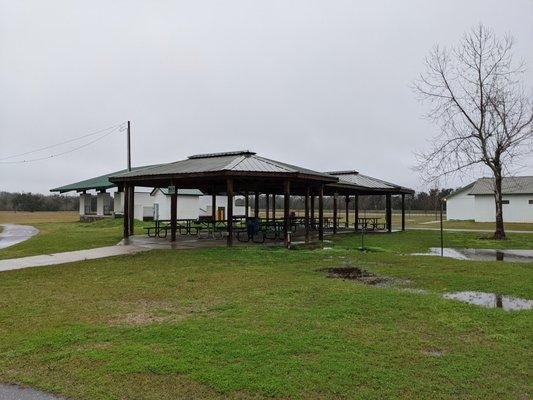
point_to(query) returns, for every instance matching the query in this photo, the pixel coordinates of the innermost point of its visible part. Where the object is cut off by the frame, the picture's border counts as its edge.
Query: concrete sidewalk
(69, 256)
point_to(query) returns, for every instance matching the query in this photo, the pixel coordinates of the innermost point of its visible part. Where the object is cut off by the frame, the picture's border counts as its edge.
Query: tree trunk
(499, 234)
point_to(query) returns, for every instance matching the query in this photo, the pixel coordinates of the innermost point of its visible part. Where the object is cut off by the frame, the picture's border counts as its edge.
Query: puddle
(356, 274)
(14, 392)
(433, 352)
(491, 300)
(13, 234)
(308, 246)
(481, 254)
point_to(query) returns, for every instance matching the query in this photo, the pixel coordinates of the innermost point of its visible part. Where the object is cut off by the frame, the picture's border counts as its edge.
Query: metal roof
(181, 192)
(236, 161)
(98, 183)
(461, 190)
(361, 181)
(510, 185)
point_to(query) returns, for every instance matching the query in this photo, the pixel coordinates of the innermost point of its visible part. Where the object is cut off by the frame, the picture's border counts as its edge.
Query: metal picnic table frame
(370, 224)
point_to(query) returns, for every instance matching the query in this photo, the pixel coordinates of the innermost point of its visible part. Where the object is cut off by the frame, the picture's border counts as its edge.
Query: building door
(221, 213)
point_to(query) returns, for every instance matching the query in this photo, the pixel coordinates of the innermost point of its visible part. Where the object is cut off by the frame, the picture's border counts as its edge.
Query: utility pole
(129, 147)
(441, 231)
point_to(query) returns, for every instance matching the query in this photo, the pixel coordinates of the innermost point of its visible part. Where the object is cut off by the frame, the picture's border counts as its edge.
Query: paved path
(13, 392)
(465, 230)
(66, 257)
(13, 234)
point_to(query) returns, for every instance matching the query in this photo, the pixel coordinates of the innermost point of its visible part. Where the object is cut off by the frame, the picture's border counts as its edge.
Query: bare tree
(477, 98)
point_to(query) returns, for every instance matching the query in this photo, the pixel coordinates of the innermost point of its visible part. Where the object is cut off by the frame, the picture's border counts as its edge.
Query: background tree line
(420, 201)
(37, 202)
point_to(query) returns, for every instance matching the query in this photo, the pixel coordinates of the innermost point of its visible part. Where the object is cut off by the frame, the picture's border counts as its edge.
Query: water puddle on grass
(14, 392)
(483, 299)
(491, 300)
(481, 254)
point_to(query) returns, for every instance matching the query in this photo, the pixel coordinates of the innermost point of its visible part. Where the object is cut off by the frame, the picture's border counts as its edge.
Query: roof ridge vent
(224, 154)
(350, 172)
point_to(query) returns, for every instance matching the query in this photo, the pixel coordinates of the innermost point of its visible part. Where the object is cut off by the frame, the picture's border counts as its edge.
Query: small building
(188, 204)
(476, 200)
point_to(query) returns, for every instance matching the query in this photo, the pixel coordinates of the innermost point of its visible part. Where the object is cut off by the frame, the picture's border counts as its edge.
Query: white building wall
(188, 206)
(143, 204)
(518, 209)
(460, 206)
(222, 201)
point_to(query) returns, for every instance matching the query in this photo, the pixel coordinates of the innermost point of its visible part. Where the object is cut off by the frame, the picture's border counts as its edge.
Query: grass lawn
(257, 322)
(62, 231)
(55, 237)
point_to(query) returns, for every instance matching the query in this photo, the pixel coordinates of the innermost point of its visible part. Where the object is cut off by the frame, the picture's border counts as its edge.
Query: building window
(505, 201)
(530, 201)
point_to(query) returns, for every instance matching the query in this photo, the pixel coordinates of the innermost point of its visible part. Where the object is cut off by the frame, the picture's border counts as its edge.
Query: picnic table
(370, 224)
(329, 221)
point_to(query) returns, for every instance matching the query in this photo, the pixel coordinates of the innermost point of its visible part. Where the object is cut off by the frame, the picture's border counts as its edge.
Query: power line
(113, 128)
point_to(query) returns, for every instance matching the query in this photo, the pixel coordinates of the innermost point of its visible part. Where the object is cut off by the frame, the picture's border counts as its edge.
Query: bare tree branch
(476, 98)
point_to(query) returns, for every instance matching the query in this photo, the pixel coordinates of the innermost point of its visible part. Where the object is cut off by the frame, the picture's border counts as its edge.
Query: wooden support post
(356, 209)
(126, 212)
(230, 211)
(403, 212)
(256, 204)
(313, 223)
(321, 213)
(307, 215)
(267, 199)
(214, 210)
(274, 207)
(335, 213)
(247, 204)
(388, 213)
(347, 212)
(132, 210)
(173, 214)
(286, 209)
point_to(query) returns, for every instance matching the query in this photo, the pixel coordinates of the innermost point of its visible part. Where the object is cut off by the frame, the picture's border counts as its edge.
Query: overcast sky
(321, 84)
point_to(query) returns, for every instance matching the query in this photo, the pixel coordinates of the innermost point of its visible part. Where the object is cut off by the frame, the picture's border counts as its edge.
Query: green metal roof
(98, 183)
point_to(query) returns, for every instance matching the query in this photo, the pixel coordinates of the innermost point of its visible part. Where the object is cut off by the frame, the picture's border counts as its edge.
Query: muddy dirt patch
(357, 274)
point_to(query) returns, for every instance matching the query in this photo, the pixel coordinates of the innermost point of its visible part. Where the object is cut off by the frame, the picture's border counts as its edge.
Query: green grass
(257, 322)
(413, 241)
(55, 237)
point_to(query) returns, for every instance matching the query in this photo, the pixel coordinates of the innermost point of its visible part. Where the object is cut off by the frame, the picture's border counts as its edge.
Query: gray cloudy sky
(323, 84)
